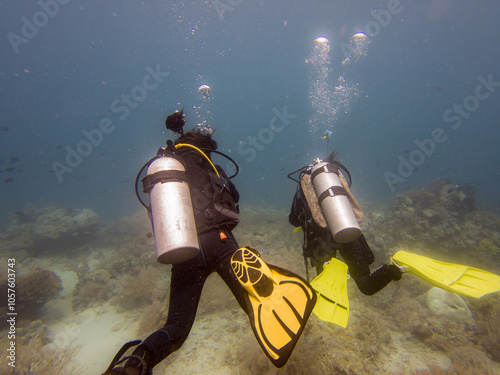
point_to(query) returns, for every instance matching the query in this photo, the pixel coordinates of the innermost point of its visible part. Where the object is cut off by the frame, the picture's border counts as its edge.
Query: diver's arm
(297, 207)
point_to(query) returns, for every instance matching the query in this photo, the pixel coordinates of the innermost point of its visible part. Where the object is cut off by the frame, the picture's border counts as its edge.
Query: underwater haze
(406, 92)
(62, 78)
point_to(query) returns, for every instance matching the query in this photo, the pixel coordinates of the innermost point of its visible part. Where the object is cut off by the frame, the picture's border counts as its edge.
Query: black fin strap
(331, 192)
(122, 351)
(142, 363)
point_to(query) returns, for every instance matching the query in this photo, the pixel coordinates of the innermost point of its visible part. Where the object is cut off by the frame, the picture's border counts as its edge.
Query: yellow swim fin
(281, 303)
(456, 278)
(331, 289)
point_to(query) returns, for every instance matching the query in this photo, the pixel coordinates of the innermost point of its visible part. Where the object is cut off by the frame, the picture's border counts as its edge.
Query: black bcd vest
(214, 198)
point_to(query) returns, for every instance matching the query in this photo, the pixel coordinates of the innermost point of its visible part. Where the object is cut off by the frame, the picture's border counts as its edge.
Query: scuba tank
(334, 202)
(171, 211)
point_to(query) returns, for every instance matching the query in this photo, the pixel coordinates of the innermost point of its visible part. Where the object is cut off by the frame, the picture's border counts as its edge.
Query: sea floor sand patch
(222, 342)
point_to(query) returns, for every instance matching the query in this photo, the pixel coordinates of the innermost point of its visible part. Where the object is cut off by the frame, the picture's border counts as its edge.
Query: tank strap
(332, 191)
(328, 168)
(162, 176)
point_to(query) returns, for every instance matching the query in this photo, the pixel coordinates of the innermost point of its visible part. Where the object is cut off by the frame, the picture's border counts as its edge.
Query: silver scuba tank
(174, 227)
(334, 202)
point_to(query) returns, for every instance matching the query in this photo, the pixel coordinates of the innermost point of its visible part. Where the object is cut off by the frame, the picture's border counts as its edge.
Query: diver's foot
(396, 271)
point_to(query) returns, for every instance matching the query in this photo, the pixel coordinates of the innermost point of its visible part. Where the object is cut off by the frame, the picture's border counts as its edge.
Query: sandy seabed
(392, 332)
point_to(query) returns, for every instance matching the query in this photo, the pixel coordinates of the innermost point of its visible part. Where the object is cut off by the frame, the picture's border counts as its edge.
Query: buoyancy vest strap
(162, 176)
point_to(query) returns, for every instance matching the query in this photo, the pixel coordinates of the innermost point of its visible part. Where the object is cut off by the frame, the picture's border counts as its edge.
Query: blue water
(63, 77)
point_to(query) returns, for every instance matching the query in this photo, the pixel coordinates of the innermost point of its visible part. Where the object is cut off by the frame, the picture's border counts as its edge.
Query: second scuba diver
(319, 243)
(327, 212)
(193, 209)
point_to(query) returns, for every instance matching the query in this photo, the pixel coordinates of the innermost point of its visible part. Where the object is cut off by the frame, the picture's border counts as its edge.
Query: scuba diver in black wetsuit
(327, 212)
(320, 245)
(193, 211)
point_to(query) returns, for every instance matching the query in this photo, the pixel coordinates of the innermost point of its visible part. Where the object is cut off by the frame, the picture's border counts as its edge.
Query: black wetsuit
(188, 278)
(320, 247)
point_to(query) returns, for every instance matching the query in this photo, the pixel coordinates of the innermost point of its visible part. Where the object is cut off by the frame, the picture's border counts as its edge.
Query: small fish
(4, 128)
(9, 169)
(12, 159)
(7, 180)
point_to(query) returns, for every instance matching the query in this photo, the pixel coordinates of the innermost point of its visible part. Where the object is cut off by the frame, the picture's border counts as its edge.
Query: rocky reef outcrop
(36, 230)
(442, 219)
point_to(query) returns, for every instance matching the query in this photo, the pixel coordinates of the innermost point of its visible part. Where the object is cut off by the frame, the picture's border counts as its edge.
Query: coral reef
(36, 288)
(487, 313)
(469, 360)
(49, 228)
(52, 223)
(35, 330)
(135, 228)
(408, 314)
(443, 219)
(153, 318)
(141, 287)
(392, 332)
(92, 287)
(35, 357)
(263, 229)
(126, 275)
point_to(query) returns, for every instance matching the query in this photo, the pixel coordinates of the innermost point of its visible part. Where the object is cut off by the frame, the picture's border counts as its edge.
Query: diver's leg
(358, 256)
(225, 271)
(185, 290)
